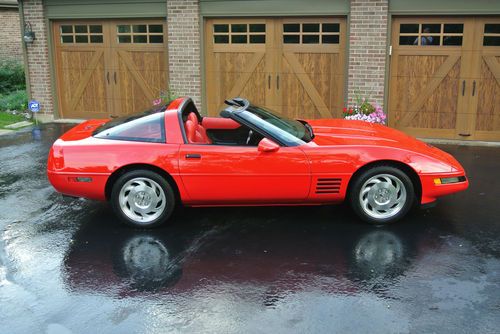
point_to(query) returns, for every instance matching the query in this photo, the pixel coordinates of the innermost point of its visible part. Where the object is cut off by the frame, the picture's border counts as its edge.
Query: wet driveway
(68, 266)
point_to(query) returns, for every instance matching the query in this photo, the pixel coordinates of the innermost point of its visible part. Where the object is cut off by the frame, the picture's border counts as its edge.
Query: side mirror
(267, 145)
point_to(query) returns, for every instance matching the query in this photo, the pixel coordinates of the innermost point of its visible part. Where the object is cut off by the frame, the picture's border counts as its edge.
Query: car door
(217, 174)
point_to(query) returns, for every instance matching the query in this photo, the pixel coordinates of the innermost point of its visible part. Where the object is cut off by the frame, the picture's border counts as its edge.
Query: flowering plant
(165, 96)
(365, 111)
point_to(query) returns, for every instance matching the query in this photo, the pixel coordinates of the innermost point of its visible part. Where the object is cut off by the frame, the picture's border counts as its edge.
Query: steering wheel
(250, 134)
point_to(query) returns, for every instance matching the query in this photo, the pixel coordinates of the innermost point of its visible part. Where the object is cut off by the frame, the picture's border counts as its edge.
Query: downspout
(25, 51)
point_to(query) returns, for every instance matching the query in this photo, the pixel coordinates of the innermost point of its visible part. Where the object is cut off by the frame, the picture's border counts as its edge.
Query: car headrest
(192, 117)
(190, 131)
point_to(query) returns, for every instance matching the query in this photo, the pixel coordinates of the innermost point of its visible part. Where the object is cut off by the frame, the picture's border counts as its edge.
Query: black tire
(397, 204)
(152, 182)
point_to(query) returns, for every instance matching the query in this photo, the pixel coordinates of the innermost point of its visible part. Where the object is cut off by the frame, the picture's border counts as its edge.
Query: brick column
(367, 50)
(38, 58)
(11, 33)
(184, 48)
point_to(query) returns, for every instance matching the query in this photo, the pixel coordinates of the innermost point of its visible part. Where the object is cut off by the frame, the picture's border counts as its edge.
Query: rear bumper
(431, 191)
(87, 185)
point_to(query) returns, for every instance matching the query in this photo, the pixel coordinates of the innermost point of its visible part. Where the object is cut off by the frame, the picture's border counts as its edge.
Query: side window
(81, 33)
(239, 33)
(491, 34)
(139, 33)
(149, 128)
(311, 33)
(431, 34)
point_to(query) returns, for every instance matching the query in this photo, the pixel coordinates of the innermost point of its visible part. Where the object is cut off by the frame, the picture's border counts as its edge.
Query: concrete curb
(6, 132)
(460, 142)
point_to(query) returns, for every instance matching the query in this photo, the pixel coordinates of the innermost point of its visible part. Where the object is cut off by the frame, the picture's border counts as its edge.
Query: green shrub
(17, 100)
(11, 77)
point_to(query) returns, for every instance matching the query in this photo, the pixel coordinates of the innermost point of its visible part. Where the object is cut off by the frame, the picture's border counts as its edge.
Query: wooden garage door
(109, 68)
(442, 81)
(293, 66)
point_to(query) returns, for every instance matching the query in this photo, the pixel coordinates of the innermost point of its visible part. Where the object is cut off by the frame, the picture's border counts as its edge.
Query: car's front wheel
(142, 198)
(382, 195)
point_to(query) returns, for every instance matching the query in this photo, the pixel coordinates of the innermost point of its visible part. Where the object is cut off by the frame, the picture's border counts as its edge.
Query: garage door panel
(141, 78)
(84, 85)
(425, 83)
(488, 108)
(237, 74)
(439, 107)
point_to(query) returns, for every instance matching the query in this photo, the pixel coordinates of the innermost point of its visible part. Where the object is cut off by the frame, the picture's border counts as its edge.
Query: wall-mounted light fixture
(29, 35)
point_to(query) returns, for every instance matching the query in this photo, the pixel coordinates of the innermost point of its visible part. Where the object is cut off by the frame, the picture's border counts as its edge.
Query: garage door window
(81, 33)
(311, 33)
(240, 33)
(491, 35)
(139, 33)
(431, 34)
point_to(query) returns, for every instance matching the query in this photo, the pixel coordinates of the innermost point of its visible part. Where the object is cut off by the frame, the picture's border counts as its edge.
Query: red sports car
(146, 164)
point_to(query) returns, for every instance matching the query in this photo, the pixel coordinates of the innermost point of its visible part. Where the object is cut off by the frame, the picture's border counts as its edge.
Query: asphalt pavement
(68, 266)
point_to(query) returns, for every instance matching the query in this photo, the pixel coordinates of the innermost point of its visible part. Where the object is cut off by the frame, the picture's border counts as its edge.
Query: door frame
(470, 55)
(55, 46)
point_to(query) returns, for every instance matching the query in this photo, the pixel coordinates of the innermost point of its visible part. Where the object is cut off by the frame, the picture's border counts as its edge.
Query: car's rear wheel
(382, 195)
(142, 198)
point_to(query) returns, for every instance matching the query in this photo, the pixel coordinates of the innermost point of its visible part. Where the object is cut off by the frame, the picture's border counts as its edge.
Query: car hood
(335, 132)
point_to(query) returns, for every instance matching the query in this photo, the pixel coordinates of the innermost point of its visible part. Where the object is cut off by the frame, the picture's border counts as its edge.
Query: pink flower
(156, 102)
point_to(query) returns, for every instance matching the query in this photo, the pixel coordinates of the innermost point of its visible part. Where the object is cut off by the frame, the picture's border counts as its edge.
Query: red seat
(195, 132)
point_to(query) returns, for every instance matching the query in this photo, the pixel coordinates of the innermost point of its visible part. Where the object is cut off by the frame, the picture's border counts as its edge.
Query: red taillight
(58, 157)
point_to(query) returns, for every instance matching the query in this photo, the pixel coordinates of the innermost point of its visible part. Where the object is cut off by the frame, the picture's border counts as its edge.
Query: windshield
(301, 130)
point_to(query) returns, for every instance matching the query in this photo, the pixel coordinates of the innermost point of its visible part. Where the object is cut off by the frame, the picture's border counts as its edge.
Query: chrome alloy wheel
(382, 196)
(142, 200)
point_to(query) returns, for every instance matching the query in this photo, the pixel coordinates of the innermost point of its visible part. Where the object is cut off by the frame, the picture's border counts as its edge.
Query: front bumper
(432, 189)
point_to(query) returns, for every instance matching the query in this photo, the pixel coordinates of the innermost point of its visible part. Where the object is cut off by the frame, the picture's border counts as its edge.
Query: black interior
(237, 137)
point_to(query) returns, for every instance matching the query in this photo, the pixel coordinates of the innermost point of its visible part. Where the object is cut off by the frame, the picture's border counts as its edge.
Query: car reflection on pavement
(279, 249)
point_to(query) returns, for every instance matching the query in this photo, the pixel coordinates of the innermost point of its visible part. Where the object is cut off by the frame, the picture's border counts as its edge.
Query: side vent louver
(328, 186)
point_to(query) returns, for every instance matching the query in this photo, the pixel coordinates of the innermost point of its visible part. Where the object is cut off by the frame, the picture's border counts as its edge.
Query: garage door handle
(473, 87)
(463, 88)
(193, 156)
(107, 77)
(278, 82)
(269, 81)
(114, 76)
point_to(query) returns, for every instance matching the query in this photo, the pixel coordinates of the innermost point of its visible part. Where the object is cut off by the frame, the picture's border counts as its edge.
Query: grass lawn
(6, 119)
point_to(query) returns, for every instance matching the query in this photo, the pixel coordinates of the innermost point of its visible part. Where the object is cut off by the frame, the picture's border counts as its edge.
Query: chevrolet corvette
(148, 163)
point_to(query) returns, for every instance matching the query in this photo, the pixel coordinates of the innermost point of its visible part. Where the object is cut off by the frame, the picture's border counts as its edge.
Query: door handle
(193, 156)
(278, 82)
(107, 77)
(473, 87)
(114, 76)
(463, 88)
(269, 81)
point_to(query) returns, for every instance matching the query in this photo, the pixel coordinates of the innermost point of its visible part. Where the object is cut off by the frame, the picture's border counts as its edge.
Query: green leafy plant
(363, 110)
(17, 100)
(362, 104)
(11, 77)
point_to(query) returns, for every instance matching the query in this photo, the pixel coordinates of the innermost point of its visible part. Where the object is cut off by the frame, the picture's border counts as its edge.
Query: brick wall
(10, 35)
(184, 48)
(38, 57)
(368, 48)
